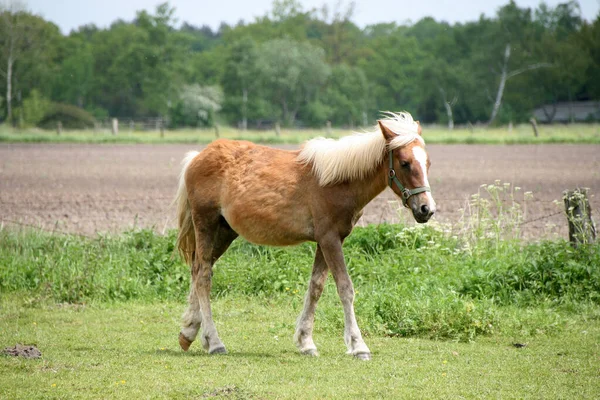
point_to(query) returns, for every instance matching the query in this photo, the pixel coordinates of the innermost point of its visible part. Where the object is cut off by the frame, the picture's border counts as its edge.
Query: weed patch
(410, 281)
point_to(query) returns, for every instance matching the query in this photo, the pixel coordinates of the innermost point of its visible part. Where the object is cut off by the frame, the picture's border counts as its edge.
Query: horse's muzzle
(422, 213)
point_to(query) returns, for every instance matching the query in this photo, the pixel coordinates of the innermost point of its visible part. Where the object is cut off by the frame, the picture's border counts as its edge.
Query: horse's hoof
(310, 352)
(218, 350)
(184, 342)
(363, 356)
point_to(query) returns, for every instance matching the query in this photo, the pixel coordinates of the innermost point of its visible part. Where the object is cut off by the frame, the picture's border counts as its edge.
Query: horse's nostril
(424, 209)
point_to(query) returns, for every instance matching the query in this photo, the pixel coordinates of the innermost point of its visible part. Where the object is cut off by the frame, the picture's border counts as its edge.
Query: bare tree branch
(505, 76)
(448, 105)
(528, 68)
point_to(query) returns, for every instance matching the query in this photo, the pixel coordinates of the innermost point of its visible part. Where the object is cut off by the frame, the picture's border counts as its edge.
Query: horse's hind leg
(191, 320)
(213, 237)
(304, 327)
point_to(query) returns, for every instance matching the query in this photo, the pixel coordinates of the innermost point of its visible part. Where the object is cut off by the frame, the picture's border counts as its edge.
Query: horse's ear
(387, 133)
(418, 128)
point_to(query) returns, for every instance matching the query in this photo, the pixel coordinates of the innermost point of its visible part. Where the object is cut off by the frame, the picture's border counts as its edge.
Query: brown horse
(278, 197)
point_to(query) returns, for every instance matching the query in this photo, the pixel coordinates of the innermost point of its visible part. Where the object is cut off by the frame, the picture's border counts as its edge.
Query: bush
(34, 109)
(71, 117)
(431, 314)
(552, 271)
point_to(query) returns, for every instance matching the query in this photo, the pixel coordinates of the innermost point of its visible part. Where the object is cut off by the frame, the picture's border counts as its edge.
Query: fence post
(534, 125)
(328, 128)
(217, 131)
(161, 127)
(579, 215)
(58, 128)
(470, 126)
(115, 126)
(277, 129)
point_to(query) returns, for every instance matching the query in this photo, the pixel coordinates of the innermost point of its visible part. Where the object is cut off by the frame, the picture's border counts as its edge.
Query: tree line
(297, 67)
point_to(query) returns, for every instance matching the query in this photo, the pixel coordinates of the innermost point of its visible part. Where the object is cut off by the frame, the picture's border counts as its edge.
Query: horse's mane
(355, 156)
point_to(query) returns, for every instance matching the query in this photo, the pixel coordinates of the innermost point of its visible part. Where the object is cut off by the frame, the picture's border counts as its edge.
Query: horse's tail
(186, 239)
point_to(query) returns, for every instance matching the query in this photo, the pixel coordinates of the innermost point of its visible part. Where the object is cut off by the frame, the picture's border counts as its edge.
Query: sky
(70, 14)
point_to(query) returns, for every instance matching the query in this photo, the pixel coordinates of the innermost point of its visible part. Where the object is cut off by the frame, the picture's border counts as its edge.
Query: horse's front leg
(304, 327)
(332, 251)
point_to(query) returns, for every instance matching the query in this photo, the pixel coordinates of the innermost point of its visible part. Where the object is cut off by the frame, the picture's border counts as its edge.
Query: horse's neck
(368, 188)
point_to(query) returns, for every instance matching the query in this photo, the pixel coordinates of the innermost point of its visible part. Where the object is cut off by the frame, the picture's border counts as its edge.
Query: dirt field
(97, 188)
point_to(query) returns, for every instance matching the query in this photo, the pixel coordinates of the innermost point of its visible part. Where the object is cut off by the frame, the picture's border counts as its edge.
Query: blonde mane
(356, 156)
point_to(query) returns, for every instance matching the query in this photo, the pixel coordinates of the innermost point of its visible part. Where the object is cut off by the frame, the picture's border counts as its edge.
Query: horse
(280, 197)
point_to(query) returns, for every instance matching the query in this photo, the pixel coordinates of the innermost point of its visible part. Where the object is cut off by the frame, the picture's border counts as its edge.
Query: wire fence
(34, 208)
(170, 198)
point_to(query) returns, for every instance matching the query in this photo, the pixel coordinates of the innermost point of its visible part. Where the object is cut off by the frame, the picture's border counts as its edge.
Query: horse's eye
(405, 164)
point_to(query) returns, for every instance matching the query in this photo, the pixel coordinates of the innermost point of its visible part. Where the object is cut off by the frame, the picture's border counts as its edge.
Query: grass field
(441, 311)
(521, 134)
(129, 350)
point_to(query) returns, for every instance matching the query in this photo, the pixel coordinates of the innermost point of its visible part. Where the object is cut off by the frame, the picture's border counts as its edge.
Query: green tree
(197, 105)
(347, 96)
(239, 79)
(74, 78)
(589, 38)
(139, 67)
(395, 62)
(27, 43)
(292, 74)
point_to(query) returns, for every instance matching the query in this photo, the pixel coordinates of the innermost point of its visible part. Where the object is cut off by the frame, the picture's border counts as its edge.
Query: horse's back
(263, 193)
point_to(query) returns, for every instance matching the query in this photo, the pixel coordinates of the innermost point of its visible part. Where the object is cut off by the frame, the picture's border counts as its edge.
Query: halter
(406, 193)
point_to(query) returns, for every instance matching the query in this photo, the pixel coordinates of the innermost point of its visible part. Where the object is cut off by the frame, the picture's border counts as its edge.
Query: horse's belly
(262, 227)
(268, 202)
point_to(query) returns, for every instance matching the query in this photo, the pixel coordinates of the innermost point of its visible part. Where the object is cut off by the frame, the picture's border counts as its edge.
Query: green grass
(130, 350)
(410, 281)
(440, 307)
(521, 134)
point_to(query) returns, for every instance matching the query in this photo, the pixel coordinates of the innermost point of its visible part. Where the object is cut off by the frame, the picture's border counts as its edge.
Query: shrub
(551, 271)
(432, 314)
(34, 108)
(71, 117)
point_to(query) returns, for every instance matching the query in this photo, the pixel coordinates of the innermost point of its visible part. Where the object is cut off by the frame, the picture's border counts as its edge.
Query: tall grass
(410, 281)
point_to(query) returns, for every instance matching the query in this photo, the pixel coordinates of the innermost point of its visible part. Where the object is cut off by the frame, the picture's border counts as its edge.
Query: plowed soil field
(84, 189)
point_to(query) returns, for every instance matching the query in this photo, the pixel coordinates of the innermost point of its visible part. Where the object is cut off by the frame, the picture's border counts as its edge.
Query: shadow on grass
(202, 353)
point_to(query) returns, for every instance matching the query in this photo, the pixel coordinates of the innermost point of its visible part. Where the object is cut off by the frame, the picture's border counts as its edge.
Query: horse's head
(408, 165)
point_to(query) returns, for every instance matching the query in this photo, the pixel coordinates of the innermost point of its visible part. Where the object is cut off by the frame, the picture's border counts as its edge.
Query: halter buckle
(405, 193)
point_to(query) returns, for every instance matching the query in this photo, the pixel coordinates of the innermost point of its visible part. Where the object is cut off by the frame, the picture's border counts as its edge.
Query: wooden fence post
(217, 131)
(160, 126)
(277, 129)
(579, 215)
(470, 126)
(115, 126)
(534, 125)
(58, 128)
(328, 128)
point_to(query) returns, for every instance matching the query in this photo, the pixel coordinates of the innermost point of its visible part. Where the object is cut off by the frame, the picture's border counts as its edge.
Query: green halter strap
(406, 193)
